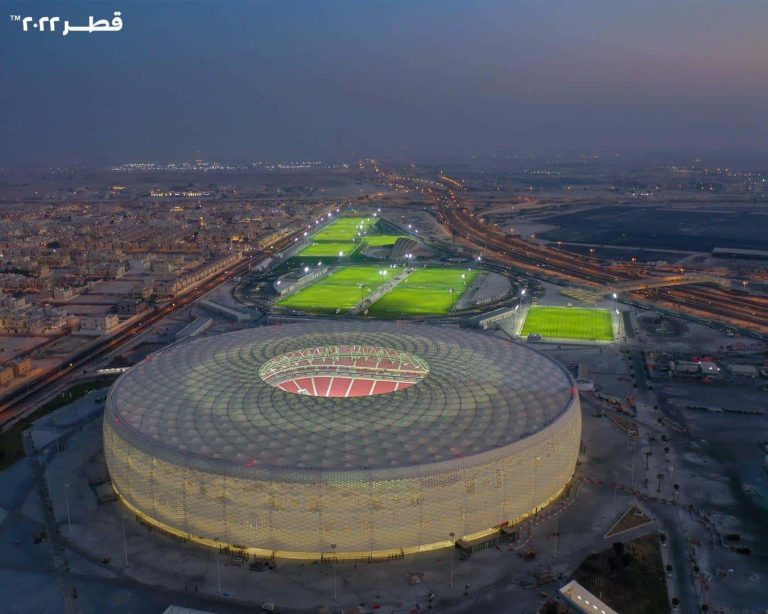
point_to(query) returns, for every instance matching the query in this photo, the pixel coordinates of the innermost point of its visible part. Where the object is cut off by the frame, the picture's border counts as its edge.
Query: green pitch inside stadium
(425, 292)
(569, 323)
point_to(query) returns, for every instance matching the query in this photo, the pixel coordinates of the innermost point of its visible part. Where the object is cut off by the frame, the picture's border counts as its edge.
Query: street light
(125, 543)
(218, 569)
(66, 499)
(333, 548)
(453, 547)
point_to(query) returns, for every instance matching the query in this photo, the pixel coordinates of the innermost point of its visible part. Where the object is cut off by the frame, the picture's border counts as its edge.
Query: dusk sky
(343, 80)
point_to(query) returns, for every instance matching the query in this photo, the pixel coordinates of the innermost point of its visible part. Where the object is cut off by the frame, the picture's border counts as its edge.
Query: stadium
(366, 440)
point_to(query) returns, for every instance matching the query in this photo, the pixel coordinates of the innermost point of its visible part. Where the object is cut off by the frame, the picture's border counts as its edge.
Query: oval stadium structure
(365, 439)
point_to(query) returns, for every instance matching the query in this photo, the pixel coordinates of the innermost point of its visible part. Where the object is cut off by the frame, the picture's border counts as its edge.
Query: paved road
(682, 584)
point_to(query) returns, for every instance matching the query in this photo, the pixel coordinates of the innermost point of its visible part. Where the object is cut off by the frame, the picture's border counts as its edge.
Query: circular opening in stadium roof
(343, 371)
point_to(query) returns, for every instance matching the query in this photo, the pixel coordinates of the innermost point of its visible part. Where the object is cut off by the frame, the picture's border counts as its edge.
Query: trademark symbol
(15, 17)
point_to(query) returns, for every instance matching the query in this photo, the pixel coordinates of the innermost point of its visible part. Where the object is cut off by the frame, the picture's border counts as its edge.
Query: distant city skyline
(343, 80)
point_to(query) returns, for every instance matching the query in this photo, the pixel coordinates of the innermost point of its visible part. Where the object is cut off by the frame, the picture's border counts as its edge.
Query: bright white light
(306, 269)
(615, 295)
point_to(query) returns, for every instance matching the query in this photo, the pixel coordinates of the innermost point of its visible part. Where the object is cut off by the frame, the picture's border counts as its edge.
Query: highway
(746, 312)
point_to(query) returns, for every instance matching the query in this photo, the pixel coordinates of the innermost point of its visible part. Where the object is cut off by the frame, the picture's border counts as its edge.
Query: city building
(97, 325)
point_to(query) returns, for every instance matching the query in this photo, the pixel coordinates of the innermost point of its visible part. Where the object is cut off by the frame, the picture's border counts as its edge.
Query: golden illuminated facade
(211, 439)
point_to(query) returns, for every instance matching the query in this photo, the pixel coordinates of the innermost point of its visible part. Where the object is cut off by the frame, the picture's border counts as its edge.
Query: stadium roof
(205, 398)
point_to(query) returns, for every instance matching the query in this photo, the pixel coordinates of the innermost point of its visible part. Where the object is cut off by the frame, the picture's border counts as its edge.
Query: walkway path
(379, 292)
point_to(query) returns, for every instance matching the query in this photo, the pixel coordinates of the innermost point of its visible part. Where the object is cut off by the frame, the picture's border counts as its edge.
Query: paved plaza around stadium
(148, 570)
(569, 323)
(190, 574)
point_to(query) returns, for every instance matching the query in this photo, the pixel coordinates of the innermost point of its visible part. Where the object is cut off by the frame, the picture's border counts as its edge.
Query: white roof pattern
(204, 398)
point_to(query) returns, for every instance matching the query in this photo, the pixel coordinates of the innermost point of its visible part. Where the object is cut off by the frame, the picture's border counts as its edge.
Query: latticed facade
(199, 443)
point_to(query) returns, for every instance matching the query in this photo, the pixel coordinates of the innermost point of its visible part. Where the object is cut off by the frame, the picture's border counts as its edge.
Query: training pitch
(339, 291)
(329, 249)
(426, 292)
(345, 229)
(345, 236)
(569, 323)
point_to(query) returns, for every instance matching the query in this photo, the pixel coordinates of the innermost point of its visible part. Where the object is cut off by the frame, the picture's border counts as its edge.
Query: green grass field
(426, 292)
(338, 291)
(345, 229)
(381, 240)
(440, 279)
(569, 323)
(328, 250)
